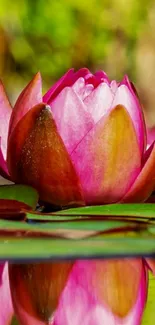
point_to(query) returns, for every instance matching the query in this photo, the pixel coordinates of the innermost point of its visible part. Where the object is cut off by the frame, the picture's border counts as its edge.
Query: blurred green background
(117, 36)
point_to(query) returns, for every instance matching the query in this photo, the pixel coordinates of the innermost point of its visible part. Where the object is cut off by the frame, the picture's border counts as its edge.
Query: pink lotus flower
(84, 142)
(88, 146)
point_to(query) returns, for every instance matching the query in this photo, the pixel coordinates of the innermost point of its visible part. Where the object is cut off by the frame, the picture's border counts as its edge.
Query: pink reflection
(80, 306)
(6, 309)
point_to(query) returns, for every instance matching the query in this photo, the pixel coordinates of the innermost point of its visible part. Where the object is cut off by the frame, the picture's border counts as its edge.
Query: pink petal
(145, 182)
(79, 302)
(151, 264)
(147, 154)
(91, 79)
(5, 113)
(150, 136)
(29, 97)
(104, 158)
(81, 73)
(102, 76)
(78, 85)
(6, 311)
(3, 165)
(81, 89)
(71, 117)
(75, 305)
(97, 78)
(64, 81)
(99, 101)
(125, 96)
(114, 86)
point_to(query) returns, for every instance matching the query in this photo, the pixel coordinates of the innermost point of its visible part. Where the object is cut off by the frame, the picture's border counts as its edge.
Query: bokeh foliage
(53, 35)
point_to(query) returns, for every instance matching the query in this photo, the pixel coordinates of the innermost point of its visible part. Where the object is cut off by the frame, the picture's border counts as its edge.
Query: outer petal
(71, 117)
(91, 79)
(104, 159)
(38, 157)
(81, 73)
(151, 264)
(36, 289)
(125, 96)
(30, 96)
(5, 113)
(102, 76)
(64, 81)
(122, 282)
(145, 182)
(150, 136)
(6, 312)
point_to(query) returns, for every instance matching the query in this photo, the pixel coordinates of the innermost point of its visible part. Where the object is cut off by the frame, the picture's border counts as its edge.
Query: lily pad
(90, 232)
(20, 193)
(146, 210)
(71, 229)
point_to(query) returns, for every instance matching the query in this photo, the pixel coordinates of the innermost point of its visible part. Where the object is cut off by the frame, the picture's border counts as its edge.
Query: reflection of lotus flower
(97, 292)
(110, 292)
(6, 310)
(88, 146)
(36, 289)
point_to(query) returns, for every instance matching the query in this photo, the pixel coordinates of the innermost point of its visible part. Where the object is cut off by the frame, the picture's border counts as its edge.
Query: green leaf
(75, 228)
(21, 193)
(73, 239)
(71, 229)
(50, 217)
(149, 313)
(146, 210)
(53, 217)
(88, 232)
(131, 212)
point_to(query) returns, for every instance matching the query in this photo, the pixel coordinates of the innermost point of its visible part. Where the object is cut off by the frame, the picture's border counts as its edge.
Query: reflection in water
(94, 292)
(6, 309)
(36, 289)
